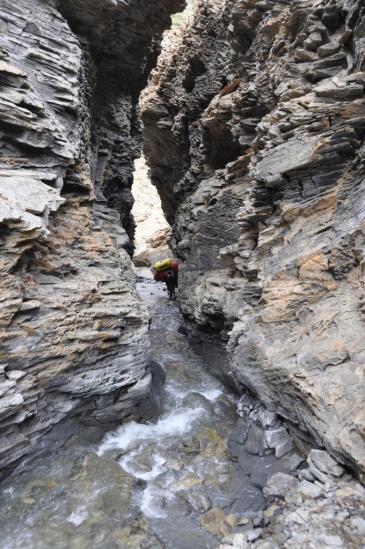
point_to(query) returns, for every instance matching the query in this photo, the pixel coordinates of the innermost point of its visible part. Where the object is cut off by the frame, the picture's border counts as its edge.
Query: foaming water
(211, 394)
(128, 464)
(154, 501)
(78, 517)
(179, 391)
(127, 436)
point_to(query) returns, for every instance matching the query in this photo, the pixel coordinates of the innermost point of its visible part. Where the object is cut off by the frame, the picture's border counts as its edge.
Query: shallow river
(169, 484)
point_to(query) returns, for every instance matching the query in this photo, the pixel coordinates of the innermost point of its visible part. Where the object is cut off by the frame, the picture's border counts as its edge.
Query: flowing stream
(170, 483)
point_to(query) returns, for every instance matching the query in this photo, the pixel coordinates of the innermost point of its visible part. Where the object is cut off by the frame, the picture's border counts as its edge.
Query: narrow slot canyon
(152, 233)
(228, 135)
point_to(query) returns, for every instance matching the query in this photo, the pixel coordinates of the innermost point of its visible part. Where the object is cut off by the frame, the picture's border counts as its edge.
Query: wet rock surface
(73, 334)
(255, 128)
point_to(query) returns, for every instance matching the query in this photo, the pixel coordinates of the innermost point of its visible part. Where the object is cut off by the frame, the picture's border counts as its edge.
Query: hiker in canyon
(171, 281)
(167, 271)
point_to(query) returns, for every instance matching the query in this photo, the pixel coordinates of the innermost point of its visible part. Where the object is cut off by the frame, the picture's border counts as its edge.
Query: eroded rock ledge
(255, 138)
(73, 333)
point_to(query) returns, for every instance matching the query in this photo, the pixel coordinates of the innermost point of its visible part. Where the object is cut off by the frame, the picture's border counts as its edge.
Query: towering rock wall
(73, 334)
(255, 123)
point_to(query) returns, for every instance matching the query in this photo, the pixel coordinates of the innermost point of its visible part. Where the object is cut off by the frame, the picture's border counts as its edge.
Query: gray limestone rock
(358, 523)
(267, 419)
(258, 170)
(73, 333)
(342, 92)
(328, 49)
(313, 41)
(255, 441)
(283, 448)
(305, 56)
(323, 462)
(253, 535)
(328, 540)
(308, 490)
(280, 484)
(276, 437)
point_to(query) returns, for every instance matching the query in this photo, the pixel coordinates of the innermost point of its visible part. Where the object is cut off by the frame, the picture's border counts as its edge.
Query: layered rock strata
(74, 339)
(255, 130)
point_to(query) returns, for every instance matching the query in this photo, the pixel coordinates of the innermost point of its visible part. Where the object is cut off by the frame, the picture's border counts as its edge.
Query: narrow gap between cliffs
(152, 231)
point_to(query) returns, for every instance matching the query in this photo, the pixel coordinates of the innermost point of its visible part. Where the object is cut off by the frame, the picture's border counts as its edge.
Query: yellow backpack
(164, 264)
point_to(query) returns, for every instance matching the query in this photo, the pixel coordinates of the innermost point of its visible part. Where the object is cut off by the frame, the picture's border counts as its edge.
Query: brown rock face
(74, 339)
(255, 138)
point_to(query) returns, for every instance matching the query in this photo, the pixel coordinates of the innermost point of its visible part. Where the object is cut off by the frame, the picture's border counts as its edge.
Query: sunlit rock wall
(73, 334)
(152, 232)
(255, 123)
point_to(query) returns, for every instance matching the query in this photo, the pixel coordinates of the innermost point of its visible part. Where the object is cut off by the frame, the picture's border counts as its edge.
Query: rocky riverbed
(171, 482)
(210, 471)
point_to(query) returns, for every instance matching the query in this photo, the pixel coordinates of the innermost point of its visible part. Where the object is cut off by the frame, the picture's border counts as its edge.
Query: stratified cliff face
(73, 333)
(255, 124)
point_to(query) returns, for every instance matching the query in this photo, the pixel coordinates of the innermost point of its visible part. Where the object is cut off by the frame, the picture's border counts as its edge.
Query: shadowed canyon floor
(170, 483)
(194, 478)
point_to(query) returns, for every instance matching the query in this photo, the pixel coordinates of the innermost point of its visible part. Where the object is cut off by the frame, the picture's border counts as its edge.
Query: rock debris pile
(311, 502)
(323, 507)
